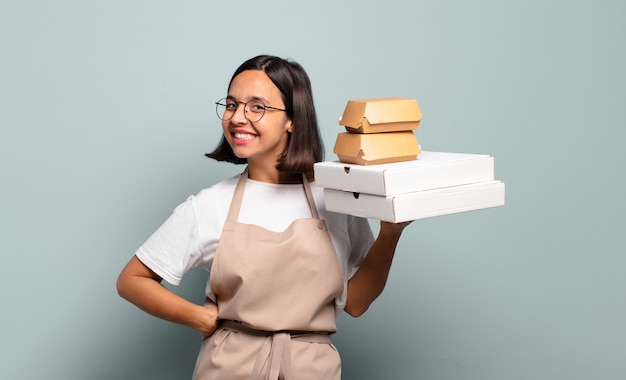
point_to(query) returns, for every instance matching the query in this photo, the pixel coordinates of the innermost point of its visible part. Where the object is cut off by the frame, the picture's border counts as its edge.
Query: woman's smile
(242, 137)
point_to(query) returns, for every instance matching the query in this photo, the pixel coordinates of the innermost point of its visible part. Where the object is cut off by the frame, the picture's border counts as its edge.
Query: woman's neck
(273, 175)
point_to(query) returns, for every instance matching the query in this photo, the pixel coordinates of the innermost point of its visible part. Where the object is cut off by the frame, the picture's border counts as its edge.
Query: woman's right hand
(207, 319)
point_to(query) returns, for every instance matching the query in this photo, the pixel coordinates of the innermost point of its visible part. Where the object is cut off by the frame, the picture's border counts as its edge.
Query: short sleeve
(173, 249)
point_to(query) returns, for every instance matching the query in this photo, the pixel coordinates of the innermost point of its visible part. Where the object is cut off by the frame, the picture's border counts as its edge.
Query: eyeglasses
(254, 109)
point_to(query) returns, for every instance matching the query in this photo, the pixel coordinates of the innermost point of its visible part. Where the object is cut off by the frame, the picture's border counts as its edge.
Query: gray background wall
(106, 111)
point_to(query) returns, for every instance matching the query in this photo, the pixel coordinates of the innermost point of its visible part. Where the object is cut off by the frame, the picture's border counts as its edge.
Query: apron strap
(235, 204)
(275, 354)
(309, 197)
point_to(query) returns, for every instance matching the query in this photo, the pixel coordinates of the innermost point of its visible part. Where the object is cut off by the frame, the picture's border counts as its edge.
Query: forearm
(155, 299)
(370, 279)
(142, 287)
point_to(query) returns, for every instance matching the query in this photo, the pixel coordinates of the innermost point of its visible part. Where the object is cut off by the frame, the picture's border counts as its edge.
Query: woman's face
(261, 142)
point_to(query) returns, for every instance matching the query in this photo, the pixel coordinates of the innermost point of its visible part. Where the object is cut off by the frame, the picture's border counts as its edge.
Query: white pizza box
(418, 204)
(430, 170)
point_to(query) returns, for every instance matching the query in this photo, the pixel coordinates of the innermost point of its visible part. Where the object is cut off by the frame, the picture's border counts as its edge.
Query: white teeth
(244, 136)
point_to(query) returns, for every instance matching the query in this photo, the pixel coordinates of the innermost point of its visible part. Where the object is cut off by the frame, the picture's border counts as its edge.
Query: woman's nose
(240, 114)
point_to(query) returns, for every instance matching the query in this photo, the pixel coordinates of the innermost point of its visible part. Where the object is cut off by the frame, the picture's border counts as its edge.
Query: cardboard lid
(376, 148)
(359, 114)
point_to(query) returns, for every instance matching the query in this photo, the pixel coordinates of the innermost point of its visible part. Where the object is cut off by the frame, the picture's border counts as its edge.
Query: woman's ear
(290, 126)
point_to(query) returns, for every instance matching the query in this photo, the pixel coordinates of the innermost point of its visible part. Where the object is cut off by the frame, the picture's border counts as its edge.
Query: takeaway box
(376, 148)
(381, 115)
(418, 204)
(430, 170)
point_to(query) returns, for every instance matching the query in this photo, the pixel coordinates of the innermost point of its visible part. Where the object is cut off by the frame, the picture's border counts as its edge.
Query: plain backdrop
(106, 110)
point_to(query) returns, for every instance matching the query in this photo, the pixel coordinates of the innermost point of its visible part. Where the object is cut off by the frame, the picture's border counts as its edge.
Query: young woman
(282, 268)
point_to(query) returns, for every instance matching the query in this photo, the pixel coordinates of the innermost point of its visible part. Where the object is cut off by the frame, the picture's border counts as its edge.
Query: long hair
(304, 146)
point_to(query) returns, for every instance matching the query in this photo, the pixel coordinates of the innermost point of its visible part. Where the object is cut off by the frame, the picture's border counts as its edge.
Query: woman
(282, 268)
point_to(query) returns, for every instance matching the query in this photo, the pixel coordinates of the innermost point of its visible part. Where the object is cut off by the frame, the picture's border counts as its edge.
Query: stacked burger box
(379, 131)
(382, 173)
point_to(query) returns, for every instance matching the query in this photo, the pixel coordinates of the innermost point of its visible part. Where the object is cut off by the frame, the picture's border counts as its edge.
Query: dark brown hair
(304, 146)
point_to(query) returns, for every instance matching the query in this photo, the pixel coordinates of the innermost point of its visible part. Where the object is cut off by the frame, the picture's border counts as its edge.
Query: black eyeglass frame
(245, 109)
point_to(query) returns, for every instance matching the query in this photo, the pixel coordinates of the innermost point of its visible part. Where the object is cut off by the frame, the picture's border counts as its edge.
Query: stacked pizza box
(382, 173)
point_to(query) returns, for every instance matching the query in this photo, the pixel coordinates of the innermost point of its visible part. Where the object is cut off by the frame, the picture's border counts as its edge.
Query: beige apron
(276, 296)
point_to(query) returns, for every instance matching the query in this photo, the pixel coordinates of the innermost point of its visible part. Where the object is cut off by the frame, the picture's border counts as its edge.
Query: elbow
(354, 311)
(120, 286)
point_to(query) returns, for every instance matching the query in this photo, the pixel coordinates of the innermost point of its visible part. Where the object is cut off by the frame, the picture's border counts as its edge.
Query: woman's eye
(257, 107)
(231, 106)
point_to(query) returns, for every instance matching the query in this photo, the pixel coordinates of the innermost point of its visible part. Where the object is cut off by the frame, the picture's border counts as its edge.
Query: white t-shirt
(189, 237)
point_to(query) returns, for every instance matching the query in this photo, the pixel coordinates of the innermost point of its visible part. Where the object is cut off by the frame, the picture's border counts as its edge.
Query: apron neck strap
(309, 197)
(235, 204)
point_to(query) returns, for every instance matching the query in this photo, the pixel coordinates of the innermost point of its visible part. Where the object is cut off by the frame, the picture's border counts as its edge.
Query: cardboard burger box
(381, 115)
(418, 204)
(376, 148)
(430, 170)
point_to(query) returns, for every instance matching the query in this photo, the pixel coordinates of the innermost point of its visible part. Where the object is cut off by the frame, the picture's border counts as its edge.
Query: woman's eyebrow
(230, 97)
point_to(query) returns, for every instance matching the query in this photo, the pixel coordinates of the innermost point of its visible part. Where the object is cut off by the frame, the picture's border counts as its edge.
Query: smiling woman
(295, 98)
(261, 140)
(282, 268)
